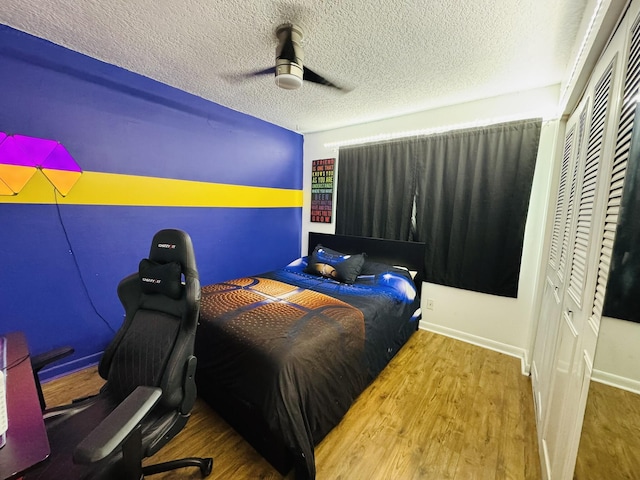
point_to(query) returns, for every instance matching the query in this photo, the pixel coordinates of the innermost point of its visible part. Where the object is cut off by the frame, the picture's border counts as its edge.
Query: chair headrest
(162, 278)
(173, 245)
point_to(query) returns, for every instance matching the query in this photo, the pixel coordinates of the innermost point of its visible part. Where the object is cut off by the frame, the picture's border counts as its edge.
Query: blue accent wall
(61, 263)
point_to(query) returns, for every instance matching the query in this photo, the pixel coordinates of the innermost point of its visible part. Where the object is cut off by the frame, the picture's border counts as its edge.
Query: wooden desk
(27, 442)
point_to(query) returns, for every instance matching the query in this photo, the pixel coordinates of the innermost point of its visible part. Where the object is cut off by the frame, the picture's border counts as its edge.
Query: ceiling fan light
(288, 81)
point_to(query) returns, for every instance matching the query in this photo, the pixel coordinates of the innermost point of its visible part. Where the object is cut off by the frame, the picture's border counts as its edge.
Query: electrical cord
(17, 362)
(75, 262)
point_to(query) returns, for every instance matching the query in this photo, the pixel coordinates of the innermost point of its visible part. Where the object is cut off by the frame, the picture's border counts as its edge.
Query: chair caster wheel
(206, 467)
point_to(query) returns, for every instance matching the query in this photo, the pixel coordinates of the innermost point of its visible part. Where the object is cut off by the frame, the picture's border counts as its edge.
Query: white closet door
(583, 257)
(625, 121)
(613, 173)
(562, 343)
(548, 323)
(567, 375)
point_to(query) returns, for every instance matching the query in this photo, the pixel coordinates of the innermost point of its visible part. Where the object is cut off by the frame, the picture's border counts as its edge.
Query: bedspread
(300, 348)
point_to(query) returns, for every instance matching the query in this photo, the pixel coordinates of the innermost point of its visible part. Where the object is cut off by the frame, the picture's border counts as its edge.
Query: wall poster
(322, 190)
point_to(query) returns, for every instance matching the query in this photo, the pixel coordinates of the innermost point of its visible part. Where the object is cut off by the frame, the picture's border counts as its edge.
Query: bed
(282, 355)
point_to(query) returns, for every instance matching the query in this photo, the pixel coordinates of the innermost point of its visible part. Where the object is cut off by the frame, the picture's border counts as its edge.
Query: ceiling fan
(289, 70)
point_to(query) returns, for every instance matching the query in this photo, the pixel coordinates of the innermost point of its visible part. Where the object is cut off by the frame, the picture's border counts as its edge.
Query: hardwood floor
(442, 409)
(610, 441)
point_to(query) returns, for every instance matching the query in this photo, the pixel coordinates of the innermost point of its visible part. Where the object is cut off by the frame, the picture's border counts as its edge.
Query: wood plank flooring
(442, 409)
(610, 441)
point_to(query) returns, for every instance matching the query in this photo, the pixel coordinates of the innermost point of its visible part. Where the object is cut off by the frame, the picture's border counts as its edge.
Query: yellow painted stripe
(96, 188)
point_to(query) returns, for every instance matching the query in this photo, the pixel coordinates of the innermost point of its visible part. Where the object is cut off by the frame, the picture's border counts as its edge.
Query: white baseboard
(617, 381)
(510, 350)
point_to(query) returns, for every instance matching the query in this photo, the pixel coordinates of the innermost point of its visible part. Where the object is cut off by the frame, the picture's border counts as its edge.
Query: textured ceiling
(397, 56)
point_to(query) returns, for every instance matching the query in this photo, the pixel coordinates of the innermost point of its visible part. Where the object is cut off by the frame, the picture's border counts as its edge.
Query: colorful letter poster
(322, 190)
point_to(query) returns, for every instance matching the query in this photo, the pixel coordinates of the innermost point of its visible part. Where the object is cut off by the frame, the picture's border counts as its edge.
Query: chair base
(132, 463)
(205, 465)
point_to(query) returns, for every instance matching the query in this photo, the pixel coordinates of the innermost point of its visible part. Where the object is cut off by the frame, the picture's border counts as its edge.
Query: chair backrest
(162, 304)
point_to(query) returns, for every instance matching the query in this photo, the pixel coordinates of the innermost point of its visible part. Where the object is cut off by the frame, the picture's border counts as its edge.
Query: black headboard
(392, 252)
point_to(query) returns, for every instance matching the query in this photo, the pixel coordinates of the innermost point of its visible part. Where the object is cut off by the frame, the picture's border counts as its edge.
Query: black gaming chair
(149, 371)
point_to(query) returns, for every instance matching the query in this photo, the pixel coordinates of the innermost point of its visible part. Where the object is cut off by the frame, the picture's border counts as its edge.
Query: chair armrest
(44, 359)
(189, 386)
(117, 426)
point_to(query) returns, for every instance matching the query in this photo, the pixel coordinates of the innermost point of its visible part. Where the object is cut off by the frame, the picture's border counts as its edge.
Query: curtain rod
(381, 137)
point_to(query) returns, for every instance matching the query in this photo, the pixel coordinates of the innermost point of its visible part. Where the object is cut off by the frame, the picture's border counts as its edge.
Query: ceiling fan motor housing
(289, 57)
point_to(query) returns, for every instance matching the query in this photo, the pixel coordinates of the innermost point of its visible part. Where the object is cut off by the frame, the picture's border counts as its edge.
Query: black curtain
(376, 185)
(469, 190)
(472, 199)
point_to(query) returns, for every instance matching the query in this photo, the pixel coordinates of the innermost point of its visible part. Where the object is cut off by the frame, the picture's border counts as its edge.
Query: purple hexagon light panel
(21, 156)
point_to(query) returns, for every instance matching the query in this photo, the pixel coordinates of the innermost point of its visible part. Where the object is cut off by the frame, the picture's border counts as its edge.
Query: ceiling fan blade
(311, 76)
(236, 77)
(289, 70)
(266, 71)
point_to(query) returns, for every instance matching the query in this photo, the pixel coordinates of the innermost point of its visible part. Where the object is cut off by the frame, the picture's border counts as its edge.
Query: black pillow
(376, 268)
(163, 278)
(329, 263)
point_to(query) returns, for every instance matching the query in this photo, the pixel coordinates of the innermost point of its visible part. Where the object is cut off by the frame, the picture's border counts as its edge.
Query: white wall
(617, 359)
(502, 324)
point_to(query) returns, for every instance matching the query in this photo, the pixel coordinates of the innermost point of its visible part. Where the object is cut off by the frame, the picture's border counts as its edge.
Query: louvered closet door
(625, 123)
(613, 173)
(590, 223)
(559, 344)
(548, 322)
(567, 371)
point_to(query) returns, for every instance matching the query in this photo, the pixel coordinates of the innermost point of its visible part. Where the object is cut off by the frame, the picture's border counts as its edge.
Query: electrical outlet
(429, 303)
